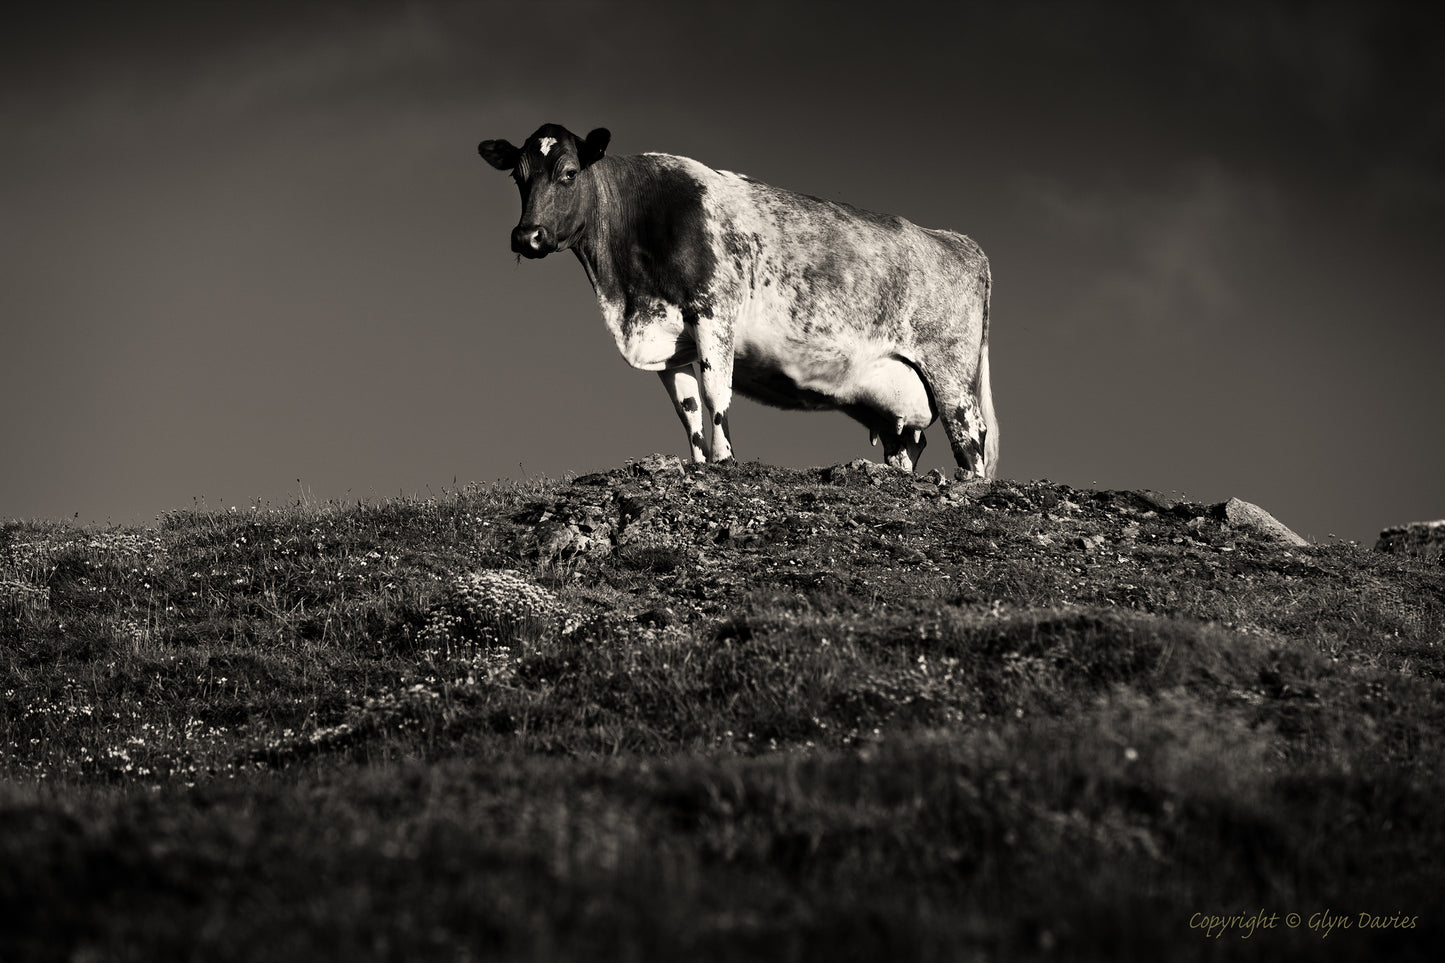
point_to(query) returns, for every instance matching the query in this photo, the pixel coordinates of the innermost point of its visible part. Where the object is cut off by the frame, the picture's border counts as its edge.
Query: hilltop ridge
(722, 712)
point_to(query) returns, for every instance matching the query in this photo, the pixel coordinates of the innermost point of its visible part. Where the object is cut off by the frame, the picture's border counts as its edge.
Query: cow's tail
(985, 391)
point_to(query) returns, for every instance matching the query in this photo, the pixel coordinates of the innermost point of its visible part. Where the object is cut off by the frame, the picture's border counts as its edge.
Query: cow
(719, 282)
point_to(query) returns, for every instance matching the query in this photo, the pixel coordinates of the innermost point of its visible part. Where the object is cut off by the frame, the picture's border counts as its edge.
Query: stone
(571, 531)
(660, 617)
(656, 464)
(970, 485)
(1422, 540)
(1252, 518)
(859, 470)
(596, 478)
(1157, 501)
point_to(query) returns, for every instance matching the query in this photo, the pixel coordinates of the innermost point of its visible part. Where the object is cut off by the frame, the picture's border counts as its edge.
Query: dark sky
(245, 245)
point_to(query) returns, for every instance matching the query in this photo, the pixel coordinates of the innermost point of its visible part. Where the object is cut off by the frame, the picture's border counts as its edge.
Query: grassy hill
(722, 713)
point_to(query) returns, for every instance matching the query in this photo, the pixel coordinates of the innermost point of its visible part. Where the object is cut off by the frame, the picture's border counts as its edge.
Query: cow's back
(819, 290)
(828, 267)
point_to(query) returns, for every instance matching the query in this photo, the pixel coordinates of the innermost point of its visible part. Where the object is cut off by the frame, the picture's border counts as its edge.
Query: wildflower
(484, 609)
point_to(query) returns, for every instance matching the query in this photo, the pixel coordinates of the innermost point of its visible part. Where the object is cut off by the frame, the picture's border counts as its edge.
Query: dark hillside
(722, 713)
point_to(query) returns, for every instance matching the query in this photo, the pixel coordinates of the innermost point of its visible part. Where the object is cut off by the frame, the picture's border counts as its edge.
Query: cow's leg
(962, 418)
(715, 362)
(967, 434)
(681, 385)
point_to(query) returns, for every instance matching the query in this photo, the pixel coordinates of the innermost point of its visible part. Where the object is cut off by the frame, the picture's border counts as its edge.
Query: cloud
(348, 59)
(221, 66)
(1159, 257)
(1326, 59)
(1350, 92)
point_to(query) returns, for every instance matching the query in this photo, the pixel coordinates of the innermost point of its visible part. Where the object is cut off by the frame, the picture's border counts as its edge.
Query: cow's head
(548, 169)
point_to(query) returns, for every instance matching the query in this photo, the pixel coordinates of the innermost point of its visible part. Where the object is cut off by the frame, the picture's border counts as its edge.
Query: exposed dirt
(711, 536)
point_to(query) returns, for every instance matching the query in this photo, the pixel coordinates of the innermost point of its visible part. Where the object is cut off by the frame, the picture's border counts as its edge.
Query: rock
(596, 478)
(635, 508)
(970, 485)
(1422, 540)
(858, 470)
(1252, 518)
(559, 539)
(734, 535)
(660, 617)
(656, 464)
(926, 488)
(568, 531)
(1157, 501)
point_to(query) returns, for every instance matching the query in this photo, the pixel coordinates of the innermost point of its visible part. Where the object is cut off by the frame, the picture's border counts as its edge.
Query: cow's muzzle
(533, 240)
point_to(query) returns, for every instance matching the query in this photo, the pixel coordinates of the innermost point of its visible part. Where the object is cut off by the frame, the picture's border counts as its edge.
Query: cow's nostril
(524, 239)
(533, 240)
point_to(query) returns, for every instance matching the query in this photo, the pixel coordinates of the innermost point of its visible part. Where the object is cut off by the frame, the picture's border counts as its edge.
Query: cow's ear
(499, 153)
(595, 146)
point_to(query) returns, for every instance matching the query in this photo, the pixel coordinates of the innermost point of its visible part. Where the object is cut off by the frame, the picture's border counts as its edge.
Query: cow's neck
(605, 187)
(646, 242)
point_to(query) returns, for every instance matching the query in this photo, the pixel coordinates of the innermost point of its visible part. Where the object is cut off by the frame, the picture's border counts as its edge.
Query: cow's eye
(568, 176)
